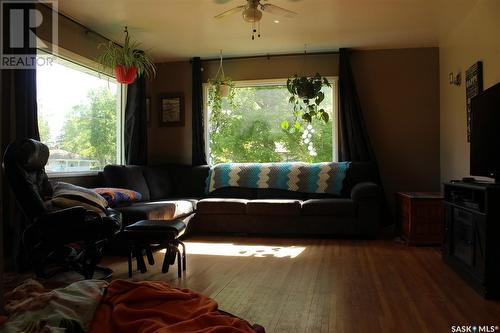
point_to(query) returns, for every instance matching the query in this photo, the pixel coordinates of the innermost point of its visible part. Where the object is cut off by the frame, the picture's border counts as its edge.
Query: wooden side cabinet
(420, 217)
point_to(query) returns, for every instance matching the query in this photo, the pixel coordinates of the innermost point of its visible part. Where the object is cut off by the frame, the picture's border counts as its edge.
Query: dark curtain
(136, 131)
(198, 151)
(354, 141)
(355, 144)
(25, 104)
(18, 121)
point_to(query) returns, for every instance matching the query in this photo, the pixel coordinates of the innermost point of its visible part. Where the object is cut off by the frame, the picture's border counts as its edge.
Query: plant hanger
(220, 87)
(220, 70)
(304, 60)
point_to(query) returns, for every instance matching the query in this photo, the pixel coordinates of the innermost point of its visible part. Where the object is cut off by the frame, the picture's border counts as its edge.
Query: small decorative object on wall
(455, 79)
(127, 61)
(307, 96)
(172, 110)
(148, 111)
(220, 87)
(473, 87)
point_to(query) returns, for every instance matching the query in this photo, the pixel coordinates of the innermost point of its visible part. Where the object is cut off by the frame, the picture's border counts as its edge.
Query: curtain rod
(86, 29)
(268, 56)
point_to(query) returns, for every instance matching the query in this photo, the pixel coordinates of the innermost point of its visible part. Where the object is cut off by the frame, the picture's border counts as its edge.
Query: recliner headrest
(32, 155)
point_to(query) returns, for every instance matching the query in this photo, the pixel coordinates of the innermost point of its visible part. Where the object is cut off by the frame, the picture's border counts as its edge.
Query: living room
(293, 213)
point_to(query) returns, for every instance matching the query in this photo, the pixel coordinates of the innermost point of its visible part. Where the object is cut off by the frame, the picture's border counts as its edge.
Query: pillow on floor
(118, 196)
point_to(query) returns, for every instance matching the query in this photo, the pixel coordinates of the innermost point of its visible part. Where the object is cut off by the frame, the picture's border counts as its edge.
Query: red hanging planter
(124, 74)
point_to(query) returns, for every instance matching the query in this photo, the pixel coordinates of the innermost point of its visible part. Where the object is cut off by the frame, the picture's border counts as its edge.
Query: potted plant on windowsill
(307, 96)
(127, 61)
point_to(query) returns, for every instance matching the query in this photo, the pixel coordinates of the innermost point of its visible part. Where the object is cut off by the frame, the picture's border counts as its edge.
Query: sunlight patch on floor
(235, 250)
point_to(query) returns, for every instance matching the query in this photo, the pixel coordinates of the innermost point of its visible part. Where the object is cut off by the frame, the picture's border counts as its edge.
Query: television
(485, 134)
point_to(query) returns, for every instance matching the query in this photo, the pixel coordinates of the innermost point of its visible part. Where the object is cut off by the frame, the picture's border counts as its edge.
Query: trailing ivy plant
(307, 96)
(219, 88)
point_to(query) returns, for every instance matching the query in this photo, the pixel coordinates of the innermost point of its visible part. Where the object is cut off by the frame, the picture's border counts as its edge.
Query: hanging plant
(127, 61)
(307, 96)
(220, 87)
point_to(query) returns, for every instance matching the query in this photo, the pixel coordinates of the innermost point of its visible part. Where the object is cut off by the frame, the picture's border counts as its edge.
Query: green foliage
(43, 128)
(214, 92)
(307, 96)
(129, 55)
(251, 128)
(90, 129)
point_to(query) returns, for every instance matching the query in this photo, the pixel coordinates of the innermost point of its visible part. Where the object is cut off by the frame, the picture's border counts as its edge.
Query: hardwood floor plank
(331, 286)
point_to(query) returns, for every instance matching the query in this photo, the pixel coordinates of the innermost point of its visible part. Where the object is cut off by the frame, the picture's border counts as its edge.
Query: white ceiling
(179, 29)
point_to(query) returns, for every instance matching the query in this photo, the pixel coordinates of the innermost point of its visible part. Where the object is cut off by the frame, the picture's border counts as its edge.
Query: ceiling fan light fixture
(252, 14)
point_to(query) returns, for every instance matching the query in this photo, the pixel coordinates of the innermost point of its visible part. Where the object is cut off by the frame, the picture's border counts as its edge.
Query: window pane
(250, 130)
(77, 117)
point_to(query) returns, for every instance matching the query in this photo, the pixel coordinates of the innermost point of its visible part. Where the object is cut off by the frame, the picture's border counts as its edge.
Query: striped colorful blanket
(326, 177)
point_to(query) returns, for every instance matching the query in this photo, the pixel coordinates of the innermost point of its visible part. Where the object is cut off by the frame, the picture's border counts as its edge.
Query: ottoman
(164, 233)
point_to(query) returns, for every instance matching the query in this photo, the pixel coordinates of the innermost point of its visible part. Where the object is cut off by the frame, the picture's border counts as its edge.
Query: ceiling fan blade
(222, 1)
(229, 12)
(273, 9)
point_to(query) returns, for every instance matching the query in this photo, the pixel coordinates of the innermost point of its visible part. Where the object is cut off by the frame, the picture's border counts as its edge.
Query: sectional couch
(178, 192)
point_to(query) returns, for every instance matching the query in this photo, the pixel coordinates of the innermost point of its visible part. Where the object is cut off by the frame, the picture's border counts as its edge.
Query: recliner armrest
(113, 221)
(65, 216)
(365, 190)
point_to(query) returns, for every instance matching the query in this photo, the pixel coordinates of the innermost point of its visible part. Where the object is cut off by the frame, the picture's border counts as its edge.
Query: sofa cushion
(274, 207)
(273, 193)
(187, 180)
(159, 182)
(129, 177)
(222, 206)
(234, 192)
(157, 210)
(329, 207)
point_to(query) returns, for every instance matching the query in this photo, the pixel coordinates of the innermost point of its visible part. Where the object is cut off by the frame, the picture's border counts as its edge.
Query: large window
(259, 126)
(79, 117)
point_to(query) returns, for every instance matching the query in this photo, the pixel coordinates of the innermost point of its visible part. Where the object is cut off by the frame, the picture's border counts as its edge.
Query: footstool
(164, 233)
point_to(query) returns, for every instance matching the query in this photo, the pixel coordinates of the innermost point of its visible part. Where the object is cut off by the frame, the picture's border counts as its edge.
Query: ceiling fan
(252, 12)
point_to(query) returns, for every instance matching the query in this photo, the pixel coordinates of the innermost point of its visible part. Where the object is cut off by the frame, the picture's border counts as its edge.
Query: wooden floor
(318, 285)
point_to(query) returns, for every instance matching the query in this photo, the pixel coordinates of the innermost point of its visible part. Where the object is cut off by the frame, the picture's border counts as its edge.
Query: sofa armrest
(368, 199)
(365, 190)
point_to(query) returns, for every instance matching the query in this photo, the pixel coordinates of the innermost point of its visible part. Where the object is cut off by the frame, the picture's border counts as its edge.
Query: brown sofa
(178, 192)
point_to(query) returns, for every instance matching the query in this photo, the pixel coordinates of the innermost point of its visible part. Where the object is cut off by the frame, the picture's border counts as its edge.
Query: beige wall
(274, 67)
(74, 40)
(170, 144)
(399, 94)
(399, 91)
(475, 38)
(173, 144)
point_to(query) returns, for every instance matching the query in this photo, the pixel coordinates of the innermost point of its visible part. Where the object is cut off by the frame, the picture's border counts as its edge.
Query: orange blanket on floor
(154, 306)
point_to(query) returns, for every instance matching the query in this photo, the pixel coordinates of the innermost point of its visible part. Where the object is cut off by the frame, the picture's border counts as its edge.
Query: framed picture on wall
(172, 109)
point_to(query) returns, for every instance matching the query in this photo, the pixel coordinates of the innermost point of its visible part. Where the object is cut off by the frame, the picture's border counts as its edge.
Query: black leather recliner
(49, 233)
